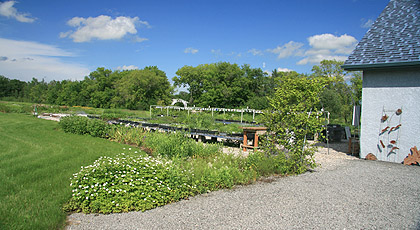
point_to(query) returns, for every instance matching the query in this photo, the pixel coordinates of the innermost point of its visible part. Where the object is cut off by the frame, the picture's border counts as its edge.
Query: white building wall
(384, 92)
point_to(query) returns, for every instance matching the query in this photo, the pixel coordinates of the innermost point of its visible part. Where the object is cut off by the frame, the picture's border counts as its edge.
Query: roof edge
(380, 65)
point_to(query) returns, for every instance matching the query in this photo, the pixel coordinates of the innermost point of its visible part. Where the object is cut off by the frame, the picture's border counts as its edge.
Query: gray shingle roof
(393, 39)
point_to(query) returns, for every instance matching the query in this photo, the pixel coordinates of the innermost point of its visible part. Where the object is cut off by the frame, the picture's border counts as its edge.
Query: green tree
(223, 84)
(54, 88)
(191, 77)
(356, 87)
(35, 91)
(98, 89)
(138, 89)
(70, 93)
(11, 88)
(336, 98)
(292, 116)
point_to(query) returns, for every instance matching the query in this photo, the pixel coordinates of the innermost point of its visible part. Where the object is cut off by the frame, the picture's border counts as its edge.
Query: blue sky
(68, 39)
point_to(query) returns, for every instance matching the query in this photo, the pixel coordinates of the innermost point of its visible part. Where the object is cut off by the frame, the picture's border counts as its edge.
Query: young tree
(292, 116)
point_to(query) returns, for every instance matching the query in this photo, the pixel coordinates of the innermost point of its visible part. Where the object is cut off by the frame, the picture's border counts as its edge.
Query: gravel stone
(343, 193)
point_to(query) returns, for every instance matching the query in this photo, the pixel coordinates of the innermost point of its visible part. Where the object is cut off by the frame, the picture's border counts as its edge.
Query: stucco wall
(384, 92)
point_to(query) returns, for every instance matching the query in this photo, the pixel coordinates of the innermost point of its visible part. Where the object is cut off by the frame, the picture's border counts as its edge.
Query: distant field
(36, 162)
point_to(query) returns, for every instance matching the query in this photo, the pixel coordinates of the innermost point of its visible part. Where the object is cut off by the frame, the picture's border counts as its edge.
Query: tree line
(219, 84)
(103, 88)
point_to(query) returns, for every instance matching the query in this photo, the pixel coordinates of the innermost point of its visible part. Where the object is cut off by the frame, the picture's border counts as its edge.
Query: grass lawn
(36, 161)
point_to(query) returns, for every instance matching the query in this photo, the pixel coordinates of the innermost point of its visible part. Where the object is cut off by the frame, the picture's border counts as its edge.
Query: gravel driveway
(346, 193)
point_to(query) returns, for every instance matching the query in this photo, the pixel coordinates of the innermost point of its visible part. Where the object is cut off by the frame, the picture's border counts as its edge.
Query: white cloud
(284, 70)
(124, 67)
(139, 39)
(7, 10)
(313, 59)
(329, 41)
(190, 50)
(328, 47)
(287, 50)
(366, 23)
(24, 60)
(269, 72)
(102, 27)
(322, 47)
(255, 52)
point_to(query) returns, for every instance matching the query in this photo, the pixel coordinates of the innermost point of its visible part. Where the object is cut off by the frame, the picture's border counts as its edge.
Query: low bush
(199, 121)
(84, 126)
(127, 135)
(265, 165)
(221, 171)
(177, 145)
(134, 181)
(12, 107)
(127, 182)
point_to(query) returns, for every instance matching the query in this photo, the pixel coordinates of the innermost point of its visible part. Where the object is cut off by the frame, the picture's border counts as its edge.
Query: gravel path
(344, 193)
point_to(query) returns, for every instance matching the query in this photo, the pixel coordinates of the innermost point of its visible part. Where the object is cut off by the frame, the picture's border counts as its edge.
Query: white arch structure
(174, 101)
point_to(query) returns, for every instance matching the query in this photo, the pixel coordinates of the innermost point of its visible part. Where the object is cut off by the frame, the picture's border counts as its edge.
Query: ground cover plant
(127, 182)
(36, 162)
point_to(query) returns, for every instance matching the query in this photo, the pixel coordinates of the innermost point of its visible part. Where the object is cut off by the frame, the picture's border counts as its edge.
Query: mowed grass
(36, 161)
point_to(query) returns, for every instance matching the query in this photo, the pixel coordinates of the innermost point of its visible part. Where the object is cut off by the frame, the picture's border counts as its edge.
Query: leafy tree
(36, 91)
(54, 88)
(337, 97)
(138, 89)
(292, 116)
(4, 84)
(98, 89)
(356, 87)
(182, 95)
(223, 84)
(70, 93)
(11, 88)
(192, 77)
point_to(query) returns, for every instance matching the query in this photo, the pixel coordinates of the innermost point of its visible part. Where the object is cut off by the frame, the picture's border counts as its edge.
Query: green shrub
(199, 121)
(265, 165)
(83, 125)
(127, 135)
(12, 107)
(177, 145)
(127, 182)
(220, 171)
(97, 128)
(109, 114)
